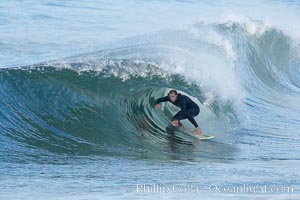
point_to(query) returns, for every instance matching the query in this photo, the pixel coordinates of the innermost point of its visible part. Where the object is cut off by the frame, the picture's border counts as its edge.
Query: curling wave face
(245, 81)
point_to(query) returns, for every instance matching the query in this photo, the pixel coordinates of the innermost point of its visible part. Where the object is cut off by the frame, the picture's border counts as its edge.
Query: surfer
(189, 109)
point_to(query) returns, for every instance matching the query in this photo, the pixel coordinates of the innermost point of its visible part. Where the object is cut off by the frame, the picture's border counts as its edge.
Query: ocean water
(78, 80)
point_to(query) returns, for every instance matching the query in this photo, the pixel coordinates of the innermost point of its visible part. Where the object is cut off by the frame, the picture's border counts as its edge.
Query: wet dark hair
(172, 92)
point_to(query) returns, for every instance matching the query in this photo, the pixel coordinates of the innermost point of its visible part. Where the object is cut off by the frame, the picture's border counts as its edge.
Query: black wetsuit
(189, 109)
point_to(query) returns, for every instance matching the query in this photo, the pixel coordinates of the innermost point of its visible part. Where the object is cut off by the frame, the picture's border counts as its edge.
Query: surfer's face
(172, 97)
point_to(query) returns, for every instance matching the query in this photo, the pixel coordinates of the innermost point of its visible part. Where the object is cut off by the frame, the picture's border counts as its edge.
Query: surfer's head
(172, 95)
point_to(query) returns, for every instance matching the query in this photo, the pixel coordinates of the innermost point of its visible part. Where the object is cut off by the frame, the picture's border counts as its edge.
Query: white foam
(210, 65)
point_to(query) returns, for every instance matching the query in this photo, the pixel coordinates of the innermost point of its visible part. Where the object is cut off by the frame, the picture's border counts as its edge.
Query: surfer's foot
(175, 123)
(197, 131)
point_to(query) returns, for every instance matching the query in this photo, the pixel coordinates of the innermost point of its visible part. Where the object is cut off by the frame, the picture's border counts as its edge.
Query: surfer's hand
(157, 105)
(175, 122)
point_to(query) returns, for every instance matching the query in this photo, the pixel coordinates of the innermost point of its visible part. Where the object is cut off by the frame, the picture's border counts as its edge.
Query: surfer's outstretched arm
(162, 99)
